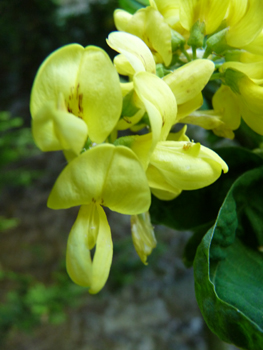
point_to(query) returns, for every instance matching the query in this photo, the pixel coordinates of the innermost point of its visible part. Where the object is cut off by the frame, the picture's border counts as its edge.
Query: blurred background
(142, 307)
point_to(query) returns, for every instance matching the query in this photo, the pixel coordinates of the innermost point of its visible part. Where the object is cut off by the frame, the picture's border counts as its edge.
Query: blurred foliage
(6, 224)
(29, 303)
(16, 143)
(32, 29)
(127, 265)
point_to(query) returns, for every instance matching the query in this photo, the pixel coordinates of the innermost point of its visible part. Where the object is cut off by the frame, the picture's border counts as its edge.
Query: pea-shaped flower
(149, 25)
(182, 165)
(104, 175)
(76, 94)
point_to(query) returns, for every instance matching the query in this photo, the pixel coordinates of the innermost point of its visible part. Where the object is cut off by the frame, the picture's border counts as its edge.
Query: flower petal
(227, 104)
(165, 195)
(99, 83)
(158, 181)
(159, 34)
(190, 106)
(107, 175)
(189, 80)
(236, 11)
(206, 119)
(211, 12)
(87, 81)
(253, 70)
(123, 65)
(187, 166)
(58, 130)
(252, 119)
(245, 89)
(81, 269)
(249, 26)
(256, 45)
(159, 102)
(126, 188)
(56, 75)
(134, 49)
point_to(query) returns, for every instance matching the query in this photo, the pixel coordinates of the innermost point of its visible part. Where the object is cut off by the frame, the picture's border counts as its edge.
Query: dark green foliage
(229, 266)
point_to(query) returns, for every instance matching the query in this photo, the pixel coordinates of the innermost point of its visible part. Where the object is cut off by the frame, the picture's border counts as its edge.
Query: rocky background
(141, 307)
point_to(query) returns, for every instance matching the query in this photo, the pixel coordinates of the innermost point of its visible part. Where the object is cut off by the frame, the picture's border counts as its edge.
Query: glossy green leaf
(229, 266)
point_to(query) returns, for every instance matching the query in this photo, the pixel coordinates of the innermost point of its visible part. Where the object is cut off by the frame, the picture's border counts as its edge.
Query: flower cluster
(168, 52)
(228, 33)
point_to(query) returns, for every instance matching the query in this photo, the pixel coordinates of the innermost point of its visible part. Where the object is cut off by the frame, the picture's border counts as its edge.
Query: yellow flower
(170, 11)
(187, 82)
(244, 21)
(256, 45)
(151, 94)
(250, 98)
(136, 56)
(254, 70)
(104, 175)
(223, 119)
(182, 165)
(149, 25)
(243, 25)
(76, 94)
(209, 12)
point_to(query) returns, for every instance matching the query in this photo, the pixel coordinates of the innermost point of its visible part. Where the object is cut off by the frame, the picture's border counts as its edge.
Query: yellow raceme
(230, 23)
(78, 100)
(186, 83)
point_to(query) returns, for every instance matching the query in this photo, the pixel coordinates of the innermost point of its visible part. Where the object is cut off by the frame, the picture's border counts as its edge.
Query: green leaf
(133, 5)
(193, 209)
(229, 266)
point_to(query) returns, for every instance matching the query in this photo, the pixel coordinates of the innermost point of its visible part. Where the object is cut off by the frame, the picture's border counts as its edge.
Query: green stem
(207, 52)
(194, 52)
(186, 54)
